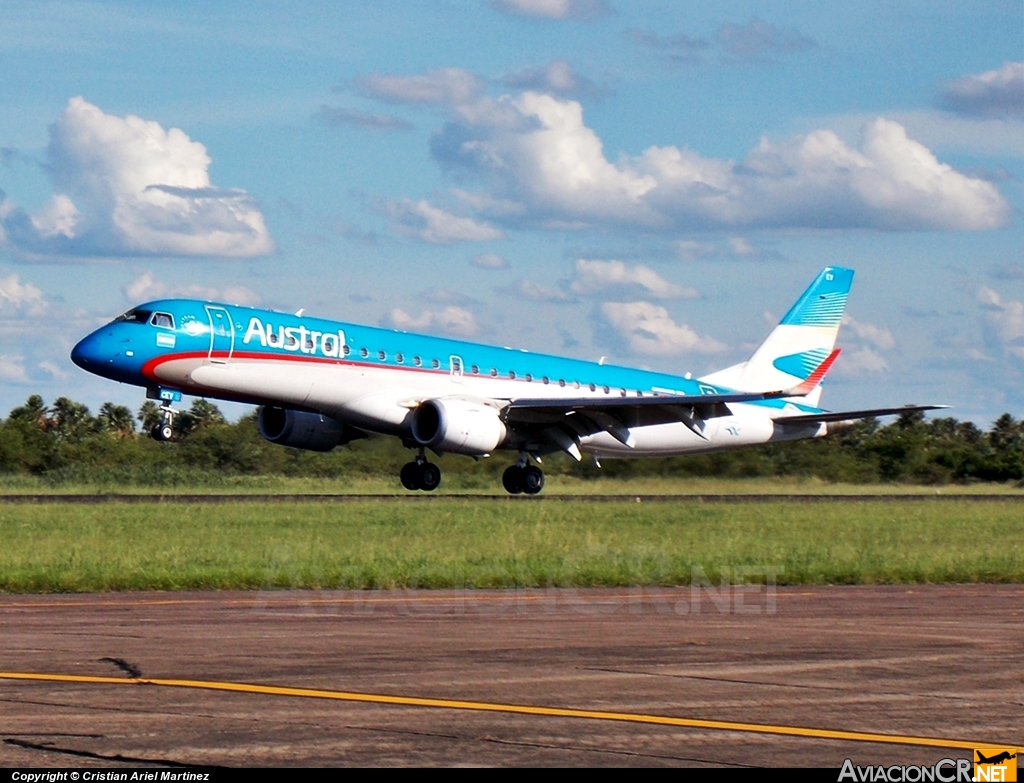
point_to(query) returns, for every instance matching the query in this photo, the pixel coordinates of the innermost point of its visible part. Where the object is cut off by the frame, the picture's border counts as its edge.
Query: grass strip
(463, 543)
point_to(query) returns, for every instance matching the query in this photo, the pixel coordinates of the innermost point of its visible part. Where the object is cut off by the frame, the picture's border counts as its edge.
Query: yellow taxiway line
(520, 709)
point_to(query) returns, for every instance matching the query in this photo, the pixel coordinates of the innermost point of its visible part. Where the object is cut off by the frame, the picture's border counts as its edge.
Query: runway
(731, 676)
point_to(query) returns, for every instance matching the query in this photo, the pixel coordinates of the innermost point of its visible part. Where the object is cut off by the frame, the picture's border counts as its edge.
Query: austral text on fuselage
(295, 338)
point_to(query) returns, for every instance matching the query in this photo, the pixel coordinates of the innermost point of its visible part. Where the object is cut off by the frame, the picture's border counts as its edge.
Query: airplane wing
(562, 422)
(826, 416)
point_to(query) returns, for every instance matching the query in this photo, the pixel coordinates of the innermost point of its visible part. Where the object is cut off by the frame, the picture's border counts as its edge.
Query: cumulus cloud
(20, 298)
(592, 277)
(556, 77)
(445, 86)
(998, 93)
(553, 9)
(757, 39)
(647, 329)
(126, 186)
(422, 220)
(878, 336)
(490, 261)
(542, 164)
(454, 321)
(527, 289)
(1003, 321)
(146, 287)
(864, 345)
(334, 117)
(12, 369)
(737, 248)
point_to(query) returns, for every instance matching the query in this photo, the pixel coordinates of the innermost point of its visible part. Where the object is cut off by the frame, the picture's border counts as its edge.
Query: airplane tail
(800, 344)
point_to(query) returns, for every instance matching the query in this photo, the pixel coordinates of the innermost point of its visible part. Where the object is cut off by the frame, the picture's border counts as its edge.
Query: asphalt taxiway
(730, 676)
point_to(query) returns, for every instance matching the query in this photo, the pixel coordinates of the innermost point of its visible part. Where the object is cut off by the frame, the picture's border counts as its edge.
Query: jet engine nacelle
(303, 430)
(460, 426)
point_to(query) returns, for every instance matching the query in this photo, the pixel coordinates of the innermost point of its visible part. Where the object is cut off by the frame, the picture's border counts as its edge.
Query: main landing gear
(523, 477)
(421, 475)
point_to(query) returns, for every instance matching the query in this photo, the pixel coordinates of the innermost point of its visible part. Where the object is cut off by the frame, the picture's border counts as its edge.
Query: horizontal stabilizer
(826, 416)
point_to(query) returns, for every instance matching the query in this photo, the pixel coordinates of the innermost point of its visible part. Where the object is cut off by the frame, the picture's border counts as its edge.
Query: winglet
(816, 376)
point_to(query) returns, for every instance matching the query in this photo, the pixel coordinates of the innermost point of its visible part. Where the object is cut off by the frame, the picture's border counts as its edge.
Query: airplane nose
(87, 353)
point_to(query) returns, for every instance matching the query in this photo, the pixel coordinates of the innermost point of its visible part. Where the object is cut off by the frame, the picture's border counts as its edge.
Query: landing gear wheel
(533, 480)
(512, 479)
(429, 476)
(162, 432)
(409, 476)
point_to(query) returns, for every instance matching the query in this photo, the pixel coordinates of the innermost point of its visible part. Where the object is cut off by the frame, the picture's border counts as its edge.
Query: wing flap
(831, 416)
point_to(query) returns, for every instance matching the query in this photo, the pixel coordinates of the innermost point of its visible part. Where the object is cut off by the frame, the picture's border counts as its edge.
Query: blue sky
(652, 182)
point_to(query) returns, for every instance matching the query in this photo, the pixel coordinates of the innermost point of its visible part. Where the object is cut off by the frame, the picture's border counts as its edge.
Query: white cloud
(878, 336)
(126, 186)
(758, 38)
(1004, 322)
(535, 151)
(648, 329)
(423, 220)
(553, 9)
(556, 77)
(863, 347)
(12, 369)
(527, 289)
(22, 298)
(490, 261)
(592, 277)
(146, 287)
(454, 321)
(445, 86)
(859, 361)
(55, 371)
(998, 93)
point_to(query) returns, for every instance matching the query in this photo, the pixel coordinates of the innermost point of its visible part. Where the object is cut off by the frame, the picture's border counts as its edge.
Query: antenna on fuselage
(300, 311)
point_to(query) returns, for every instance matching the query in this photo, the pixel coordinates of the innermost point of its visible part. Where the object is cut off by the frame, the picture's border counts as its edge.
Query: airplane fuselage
(374, 378)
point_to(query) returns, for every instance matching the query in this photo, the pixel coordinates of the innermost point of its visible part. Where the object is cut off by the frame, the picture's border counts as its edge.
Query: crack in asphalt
(131, 669)
(90, 755)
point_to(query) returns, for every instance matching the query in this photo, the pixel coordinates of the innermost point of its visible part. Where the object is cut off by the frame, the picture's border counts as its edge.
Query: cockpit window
(163, 319)
(134, 316)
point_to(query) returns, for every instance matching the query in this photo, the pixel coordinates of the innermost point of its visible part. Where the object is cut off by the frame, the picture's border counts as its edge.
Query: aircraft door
(455, 362)
(222, 335)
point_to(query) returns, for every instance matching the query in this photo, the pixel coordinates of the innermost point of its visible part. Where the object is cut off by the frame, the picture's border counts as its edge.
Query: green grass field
(466, 543)
(456, 483)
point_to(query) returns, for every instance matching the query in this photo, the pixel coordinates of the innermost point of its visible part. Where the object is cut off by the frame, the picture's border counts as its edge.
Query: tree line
(65, 442)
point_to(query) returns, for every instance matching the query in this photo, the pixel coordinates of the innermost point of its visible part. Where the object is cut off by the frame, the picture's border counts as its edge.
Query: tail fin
(802, 341)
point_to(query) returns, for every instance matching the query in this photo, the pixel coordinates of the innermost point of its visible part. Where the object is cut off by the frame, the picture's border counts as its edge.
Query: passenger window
(417, 361)
(435, 363)
(475, 370)
(346, 350)
(163, 319)
(561, 382)
(381, 355)
(529, 377)
(512, 375)
(575, 384)
(593, 387)
(544, 379)
(494, 372)
(363, 352)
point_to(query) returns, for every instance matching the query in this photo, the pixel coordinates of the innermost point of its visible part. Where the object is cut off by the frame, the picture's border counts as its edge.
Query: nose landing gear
(164, 431)
(523, 478)
(421, 475)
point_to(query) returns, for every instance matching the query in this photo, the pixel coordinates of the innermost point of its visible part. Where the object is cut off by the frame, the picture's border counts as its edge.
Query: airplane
(321, 384)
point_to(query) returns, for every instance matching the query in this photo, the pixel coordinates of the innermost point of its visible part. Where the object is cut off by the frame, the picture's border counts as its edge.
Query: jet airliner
(320, 384)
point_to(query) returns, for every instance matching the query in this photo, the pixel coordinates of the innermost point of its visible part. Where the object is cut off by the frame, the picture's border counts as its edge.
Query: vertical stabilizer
(803, 340)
